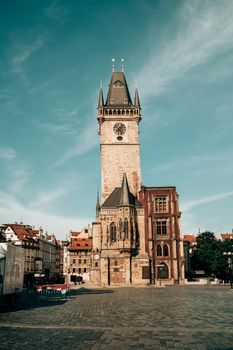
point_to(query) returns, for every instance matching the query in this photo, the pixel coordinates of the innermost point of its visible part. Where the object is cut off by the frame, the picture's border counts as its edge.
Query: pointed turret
(136, 99)
(101, 99)
(118, 92)
(125, 198)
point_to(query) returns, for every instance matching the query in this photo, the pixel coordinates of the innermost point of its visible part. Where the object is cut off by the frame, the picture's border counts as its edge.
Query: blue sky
(53, 55)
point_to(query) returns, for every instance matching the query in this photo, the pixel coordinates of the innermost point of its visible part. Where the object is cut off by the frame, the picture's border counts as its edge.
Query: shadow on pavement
(30, 301)
(33, 300)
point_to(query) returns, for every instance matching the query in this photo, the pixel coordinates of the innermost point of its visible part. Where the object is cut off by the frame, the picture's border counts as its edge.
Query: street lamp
(230, 264)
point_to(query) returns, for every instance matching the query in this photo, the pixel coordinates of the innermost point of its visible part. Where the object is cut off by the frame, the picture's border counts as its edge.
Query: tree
(208, 255)
(203, 252)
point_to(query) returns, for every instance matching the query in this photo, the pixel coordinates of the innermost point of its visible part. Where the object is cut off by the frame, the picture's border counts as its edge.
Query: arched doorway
(162, 271)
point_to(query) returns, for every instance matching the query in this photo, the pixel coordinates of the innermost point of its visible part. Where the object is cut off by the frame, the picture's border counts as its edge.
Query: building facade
(79, 256)
(162, 230)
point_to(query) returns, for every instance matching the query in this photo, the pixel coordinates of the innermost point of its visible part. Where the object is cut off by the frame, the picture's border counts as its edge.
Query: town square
(180, 317)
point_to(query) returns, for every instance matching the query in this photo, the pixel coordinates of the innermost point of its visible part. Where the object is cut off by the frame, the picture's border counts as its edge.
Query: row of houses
(44, 254)
(48, 259)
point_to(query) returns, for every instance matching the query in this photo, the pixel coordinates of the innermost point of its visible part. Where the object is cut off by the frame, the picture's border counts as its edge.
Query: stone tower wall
(118, 157)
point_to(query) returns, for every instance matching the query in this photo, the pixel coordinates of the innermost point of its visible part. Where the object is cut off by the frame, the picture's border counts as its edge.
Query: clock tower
(118, 120)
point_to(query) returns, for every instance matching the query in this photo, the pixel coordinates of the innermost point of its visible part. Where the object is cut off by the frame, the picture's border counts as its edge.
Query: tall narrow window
(159, 250)
(161, 227)
(165, 250)
(120, 229)
(126, 229)
(112, 232)
(131, 230)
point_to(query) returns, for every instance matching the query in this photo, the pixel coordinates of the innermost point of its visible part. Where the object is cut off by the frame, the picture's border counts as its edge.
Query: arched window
(113, 232)
(165, 250)
(159, 250)
(126, 229)
(120, 228)
(162, 272)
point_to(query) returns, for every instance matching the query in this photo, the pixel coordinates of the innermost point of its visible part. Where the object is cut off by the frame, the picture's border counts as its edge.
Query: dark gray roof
(125, 192)
(118, 92)
(113, 201)
(101, 98)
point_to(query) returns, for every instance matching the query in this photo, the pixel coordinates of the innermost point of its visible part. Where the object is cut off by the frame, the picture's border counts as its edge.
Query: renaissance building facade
(136, 236)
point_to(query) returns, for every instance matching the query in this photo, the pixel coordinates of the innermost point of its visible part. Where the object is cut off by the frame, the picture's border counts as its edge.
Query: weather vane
(113, 64)
(122, 64)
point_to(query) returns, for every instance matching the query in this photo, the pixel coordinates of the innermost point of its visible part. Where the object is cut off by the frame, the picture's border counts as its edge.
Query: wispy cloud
(86, 140)
(57, 12)
(68, 183)
(162, 167)
(205, 29)
(217, 162)
(212, 198)
(11, 209)
(19, 176)
(59, 128)
(24, 49)
(7, 153)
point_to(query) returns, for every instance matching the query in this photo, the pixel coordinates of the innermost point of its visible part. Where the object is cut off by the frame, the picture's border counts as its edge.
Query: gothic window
(120, 228)
(161, 204)
(165, 250)
(159, 250)
(161, 227)
(112, 232)
(126, 229)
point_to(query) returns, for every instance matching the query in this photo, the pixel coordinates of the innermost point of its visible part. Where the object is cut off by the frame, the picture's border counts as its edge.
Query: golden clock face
(119, 128)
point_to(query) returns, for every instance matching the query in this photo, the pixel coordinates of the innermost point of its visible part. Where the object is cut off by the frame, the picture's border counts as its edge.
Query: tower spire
(136, 99)
(125, 192)
(101, 98)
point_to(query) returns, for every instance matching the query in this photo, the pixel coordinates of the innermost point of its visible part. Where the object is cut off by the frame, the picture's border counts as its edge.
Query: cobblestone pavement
(178, 317)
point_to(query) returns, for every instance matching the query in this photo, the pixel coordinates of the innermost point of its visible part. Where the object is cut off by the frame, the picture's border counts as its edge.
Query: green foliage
(208, 255)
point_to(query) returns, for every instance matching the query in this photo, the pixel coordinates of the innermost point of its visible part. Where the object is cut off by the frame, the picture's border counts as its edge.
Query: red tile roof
(23, 233)
(225, 236)
(73, 233)
(80, 244)
(189, 238)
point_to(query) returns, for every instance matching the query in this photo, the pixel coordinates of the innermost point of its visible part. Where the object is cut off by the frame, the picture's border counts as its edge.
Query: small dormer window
(125, 101)
(118, 84)
(112, 101)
